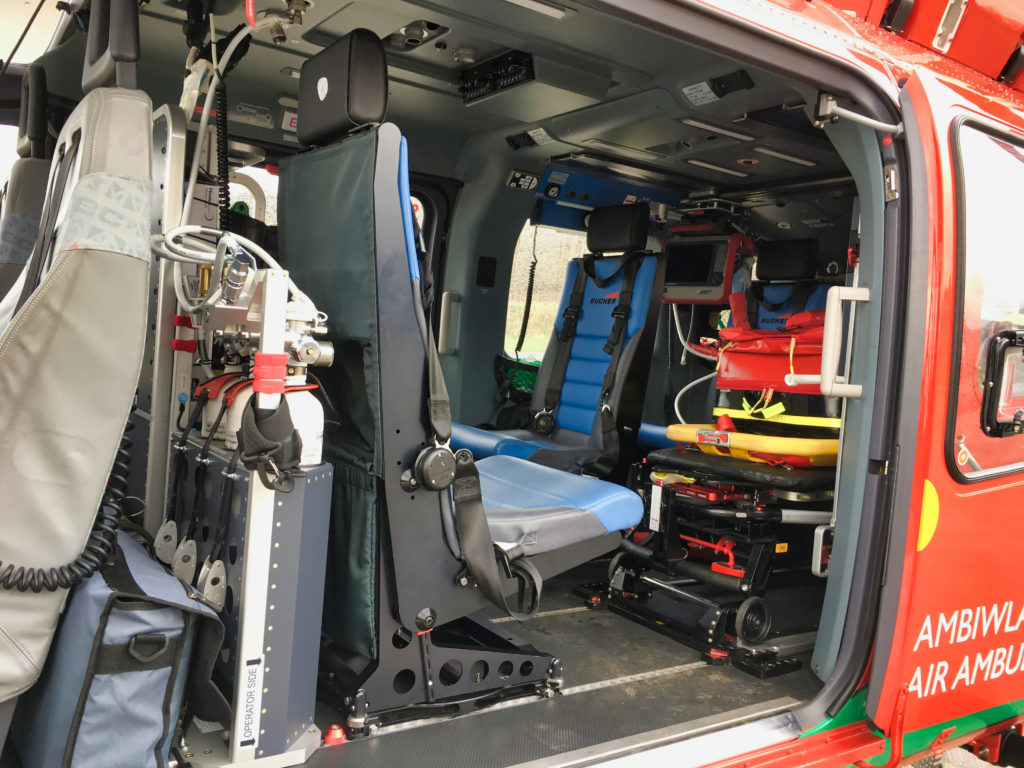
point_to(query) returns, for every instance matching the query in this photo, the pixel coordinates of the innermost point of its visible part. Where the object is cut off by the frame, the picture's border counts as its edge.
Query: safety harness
(479, 553)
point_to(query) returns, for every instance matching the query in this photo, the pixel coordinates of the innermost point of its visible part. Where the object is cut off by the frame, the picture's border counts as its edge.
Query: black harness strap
(601, 282)
(622, 309)
(544, 422)
(49, 220)
(478, 550)
(609, 431)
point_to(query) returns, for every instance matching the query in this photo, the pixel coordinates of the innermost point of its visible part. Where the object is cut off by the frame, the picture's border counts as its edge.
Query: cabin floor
(622, 681)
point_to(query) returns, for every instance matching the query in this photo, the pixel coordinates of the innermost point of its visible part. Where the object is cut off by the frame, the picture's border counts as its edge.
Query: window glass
(16, 15)
(8, 151)
(418, 211)
(991, 276)
(267, 182)
(553, 248)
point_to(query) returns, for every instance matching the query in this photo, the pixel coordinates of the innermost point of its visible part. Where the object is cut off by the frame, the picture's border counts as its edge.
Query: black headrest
(619, 228)
(342, 87)
(787, 260)
(32, 113)
(112, 45)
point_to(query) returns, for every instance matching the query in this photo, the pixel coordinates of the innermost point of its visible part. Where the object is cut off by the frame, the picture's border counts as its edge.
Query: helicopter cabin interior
(636, 259)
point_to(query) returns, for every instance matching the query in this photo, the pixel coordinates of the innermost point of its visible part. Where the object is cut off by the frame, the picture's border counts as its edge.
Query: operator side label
(248, 730)
(999, 631)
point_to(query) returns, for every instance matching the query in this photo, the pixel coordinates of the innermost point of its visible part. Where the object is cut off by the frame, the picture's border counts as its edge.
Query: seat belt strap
(478, 550)
(44, 241)
(570, 319)
(623, 307)
(609, 431)
(601, 282)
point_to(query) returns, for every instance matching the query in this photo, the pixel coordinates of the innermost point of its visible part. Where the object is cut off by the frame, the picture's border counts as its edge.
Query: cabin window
(8, 151)
(552, 248)
(990, 275)
(245, 193)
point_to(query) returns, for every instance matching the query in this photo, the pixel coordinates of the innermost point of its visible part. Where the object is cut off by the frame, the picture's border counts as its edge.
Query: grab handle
(831, 383)
(444, 334)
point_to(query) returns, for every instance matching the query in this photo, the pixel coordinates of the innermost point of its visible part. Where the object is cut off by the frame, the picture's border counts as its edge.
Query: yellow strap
(720, 352)
(813, 421)
(792, 348)
(669, 478)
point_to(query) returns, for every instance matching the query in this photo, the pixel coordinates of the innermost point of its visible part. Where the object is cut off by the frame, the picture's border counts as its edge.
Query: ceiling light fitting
(548, 9)
(784, 156)
(718, 168)
(716, 129)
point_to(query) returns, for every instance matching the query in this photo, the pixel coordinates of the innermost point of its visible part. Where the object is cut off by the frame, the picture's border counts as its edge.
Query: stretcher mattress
(704, 467)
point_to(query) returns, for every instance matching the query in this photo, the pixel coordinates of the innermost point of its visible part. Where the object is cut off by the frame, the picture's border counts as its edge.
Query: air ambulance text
(963, 626)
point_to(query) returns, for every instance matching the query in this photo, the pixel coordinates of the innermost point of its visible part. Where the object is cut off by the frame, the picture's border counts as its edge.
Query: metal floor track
(622, 680)
(583, 717)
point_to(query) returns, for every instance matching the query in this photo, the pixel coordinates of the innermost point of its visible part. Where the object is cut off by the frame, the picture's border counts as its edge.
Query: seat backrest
(612, 230)
(26, 185)
(70, 357)
(346, 235)
(784, 286)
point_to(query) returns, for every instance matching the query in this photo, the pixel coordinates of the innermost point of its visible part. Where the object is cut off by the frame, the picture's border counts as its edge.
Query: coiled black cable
(100, 544)
(224, 194)
(526, 306)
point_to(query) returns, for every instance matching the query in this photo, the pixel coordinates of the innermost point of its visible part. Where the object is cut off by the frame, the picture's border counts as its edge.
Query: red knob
(335, 735)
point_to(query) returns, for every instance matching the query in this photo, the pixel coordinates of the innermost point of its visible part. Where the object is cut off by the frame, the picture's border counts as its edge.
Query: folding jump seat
(411, 553)
(26, 186)
(70, 358)
(590, 388)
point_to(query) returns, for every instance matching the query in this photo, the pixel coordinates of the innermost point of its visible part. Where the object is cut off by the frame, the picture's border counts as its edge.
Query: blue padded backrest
(588, 361)
(405, 201)
(773, 294)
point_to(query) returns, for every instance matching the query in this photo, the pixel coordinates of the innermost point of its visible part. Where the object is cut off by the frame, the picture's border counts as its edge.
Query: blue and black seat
(590, 388)
(421, 538)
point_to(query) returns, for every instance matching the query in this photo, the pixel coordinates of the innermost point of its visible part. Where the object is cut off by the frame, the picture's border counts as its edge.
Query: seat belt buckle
(570, 317)
(620, 312)
(543, 422)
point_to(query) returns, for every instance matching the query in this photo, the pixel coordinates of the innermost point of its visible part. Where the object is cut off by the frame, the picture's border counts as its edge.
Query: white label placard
(699, 93)
(655, 518)
(247, 730)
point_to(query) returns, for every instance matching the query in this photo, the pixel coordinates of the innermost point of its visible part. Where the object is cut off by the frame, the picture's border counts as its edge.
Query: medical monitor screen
(698, 270)
(696, 263)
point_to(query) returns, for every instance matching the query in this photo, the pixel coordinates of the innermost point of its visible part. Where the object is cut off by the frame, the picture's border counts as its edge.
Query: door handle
(831, 383)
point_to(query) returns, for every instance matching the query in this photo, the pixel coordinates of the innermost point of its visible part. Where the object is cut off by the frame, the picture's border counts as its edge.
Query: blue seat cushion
(483, 442)
(513, 487)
